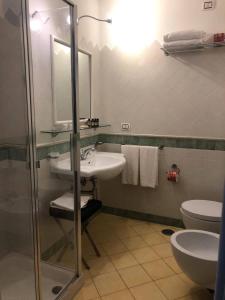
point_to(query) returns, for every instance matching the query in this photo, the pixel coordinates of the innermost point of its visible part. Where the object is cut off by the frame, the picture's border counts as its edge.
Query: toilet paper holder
(174, 173)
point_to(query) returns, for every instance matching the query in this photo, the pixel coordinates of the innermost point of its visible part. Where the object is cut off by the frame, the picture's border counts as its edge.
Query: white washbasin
(104, 165)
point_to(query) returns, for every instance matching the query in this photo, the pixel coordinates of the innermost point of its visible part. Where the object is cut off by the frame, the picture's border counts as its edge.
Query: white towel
(180, 45)
(184, 35)
(149, 157)
(66, 201)
(130, 174)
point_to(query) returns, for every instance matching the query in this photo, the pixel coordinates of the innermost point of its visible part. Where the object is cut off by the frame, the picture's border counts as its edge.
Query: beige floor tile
(100, 265)
(135, 242)
(160, 227)
(123, 260)
(153, 238)
(146, 254)
(108, 218)
(143, 228)
(125, 232)
(114, 248)
(109, 283)
(148, 291)
(123, 295)
(134, 222)
(103, 236)
(88, 292)
(158, 269)
(174, 287)
(192, 285)
(200, 295)
(163, 250)
(171, 262)
(88, 251)
(134, 276)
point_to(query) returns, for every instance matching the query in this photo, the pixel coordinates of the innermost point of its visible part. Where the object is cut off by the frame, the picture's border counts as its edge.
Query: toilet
(202, 215)
(196, 252)
(196, 248)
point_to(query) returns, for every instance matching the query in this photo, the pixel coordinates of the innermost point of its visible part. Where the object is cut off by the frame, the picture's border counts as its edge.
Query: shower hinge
(37, 165)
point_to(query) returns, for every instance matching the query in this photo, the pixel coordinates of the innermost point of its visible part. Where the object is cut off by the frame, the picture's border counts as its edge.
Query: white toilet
(196, 248)
(202, 215)
(196, 252)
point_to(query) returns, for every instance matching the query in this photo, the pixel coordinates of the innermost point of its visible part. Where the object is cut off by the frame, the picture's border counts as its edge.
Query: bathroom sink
(103, 165)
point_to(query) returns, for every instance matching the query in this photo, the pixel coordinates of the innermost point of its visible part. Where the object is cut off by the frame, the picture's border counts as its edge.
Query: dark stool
(88, 212)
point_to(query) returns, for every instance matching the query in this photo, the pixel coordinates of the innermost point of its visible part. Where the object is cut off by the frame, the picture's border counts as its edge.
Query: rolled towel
(149, 160)
(130, 174)
(66, 201)
(181, 45)
(184, 35)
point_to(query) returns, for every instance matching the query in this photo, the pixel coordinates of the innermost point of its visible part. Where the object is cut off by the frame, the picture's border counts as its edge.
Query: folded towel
(66, 201)
(181, 45)
(149, 166)
(184, 35)
(130, 174)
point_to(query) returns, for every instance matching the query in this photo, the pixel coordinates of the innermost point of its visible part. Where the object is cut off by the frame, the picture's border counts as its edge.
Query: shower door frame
(76, 282)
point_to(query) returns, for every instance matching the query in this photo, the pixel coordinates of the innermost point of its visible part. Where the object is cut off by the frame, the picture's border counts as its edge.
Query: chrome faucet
(85, 153)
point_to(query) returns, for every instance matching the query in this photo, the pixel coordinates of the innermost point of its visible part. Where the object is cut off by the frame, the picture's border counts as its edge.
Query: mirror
(61, 82)
(84, 72)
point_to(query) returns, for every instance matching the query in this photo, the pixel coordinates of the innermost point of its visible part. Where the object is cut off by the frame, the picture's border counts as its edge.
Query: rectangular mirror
(84, 59)
(61, 82)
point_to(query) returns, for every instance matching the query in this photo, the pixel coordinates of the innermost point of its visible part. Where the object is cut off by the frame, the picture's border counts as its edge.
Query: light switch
(209, 4)
(125, 126)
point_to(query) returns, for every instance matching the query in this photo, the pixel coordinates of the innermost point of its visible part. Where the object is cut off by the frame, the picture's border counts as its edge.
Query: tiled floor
(136, 263)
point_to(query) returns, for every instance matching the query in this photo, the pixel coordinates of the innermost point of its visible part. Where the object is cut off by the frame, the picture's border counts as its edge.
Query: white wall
(159, 95)
(181, 95)
(202, 177)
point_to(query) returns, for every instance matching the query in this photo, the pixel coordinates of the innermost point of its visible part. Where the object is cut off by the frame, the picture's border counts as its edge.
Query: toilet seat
(203, 210)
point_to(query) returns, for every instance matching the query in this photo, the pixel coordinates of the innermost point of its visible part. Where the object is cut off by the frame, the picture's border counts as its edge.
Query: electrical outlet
(209, 4)
(125, 126)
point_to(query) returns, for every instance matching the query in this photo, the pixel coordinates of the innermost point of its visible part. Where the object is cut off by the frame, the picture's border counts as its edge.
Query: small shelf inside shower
(54, 132)
(201, 47)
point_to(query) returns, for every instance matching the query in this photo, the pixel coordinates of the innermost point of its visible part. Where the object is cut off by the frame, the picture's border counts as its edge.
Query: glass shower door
(54, 84)
(17, 259)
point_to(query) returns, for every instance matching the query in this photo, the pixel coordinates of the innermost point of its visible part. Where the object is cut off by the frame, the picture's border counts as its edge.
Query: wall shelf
(55, 132)
(201, 47)
(100, 126)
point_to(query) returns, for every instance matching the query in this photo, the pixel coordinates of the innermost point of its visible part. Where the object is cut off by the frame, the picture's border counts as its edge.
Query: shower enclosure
(30, 239)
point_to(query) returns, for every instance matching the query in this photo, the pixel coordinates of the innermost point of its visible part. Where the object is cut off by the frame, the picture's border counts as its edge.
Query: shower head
(94, 18)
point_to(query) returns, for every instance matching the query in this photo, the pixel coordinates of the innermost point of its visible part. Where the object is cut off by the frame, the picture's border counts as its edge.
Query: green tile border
(142, 216)
(17, 153)
(64, 147)
(173, 142)
(43, 151)
(87, 141)
(4, 153)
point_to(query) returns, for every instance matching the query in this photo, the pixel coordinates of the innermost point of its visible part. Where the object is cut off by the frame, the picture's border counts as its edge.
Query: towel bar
(161, 147)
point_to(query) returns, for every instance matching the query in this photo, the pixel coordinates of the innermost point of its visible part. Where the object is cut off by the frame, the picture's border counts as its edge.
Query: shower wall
(16, 229)
(15, 197)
